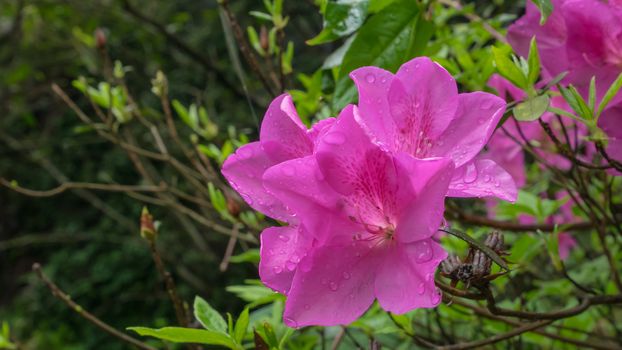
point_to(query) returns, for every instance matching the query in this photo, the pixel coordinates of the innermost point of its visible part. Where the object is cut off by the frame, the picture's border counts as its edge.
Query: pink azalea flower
(371, 216)
(283, 136)
(582, 37)
(565, 244)
(611, 123)
(420, 112)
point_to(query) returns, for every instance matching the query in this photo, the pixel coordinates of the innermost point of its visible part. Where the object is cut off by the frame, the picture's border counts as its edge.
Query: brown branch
(79, 185)
(58, 293)
(614, 163)
(513, 226)
(497, 338)
(230, 246)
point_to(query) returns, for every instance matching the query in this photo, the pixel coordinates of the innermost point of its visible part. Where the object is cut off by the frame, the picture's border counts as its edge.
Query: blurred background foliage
(89, 240)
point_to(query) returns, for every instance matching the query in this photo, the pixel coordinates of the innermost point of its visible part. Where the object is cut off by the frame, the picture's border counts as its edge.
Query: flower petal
(482, 178)
(244, 170)
(301, 186)
(476, 119)
(405, 279)
(283, 136)
(423, 187)
(373, 85)
(334, 285)
(422, 98)
(282, 248)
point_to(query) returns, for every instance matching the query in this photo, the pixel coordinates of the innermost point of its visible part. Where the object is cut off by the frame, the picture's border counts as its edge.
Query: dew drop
(421, 288)
(487, 178)
(335, 138)
(290, 266)
(470, 174)
(384, 80)
(333, 286)
(346, 276)
(370, 78)
(295, 258)
(423, 252)
(284, 238)
(290, 322)
(307, 306)
(436, 297)
(277, 269)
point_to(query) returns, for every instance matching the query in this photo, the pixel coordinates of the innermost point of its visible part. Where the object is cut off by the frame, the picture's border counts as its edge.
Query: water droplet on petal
(421, 288)
(284, 238)
(470, 174)
(333, 286)
(295, 258)
(290, 266)
(487, 178)
(346, 276)
(370, 78)
(384, 80)
(290, 322)
(335, 138)
(423, 252)
(277, 269)
(436, 297)
(307, 306)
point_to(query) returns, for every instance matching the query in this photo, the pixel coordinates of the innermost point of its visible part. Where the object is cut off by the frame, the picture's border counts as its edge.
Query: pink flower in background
(611, 123)
(582, 37)
(371, 215)
(282, 137)
(420, 112)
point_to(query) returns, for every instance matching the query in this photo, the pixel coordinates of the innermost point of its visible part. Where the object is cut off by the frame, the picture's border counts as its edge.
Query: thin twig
(57, 292)
(79, 185)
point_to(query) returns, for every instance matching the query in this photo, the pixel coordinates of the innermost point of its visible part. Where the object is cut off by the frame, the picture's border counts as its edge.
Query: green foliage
(209, 318)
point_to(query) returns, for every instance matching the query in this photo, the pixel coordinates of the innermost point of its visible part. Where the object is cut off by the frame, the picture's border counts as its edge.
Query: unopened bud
(264, 40)
(147, 228)
(100, 38)
(233, 207)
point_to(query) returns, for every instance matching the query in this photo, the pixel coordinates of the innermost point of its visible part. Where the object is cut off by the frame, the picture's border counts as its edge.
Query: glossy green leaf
(532, 108)
(508, 68)
(388, 39)
(208, 317)
(187, 335)
(341, 18)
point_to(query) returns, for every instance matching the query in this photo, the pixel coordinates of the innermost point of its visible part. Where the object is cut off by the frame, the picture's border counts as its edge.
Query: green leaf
(610, 94)
(508, 68)
(187, 335)
(532, 108)
(533, 62)
(209, 318)
(479, 245)
(378, 5)
(241, 325)
(545, 7)
(576, 101)
(251, 255)
(388, 39)
(592, 95)
(341, 18)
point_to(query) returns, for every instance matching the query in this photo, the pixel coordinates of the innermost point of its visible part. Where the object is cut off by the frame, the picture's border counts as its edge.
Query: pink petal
(244, 171)
(482, 178)
(373, 85)
(300, 184)
(476, 119)
(423, 187)
(360, 170)
(405, 279)
(334, 285)
(423, 100)
(320, 128)
(505, 89)
(283, 136)
(282, 248)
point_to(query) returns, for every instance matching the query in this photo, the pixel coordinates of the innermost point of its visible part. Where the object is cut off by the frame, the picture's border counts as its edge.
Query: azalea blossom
(282, 137)
(367, 217)
(420, 112)
(583, 38)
